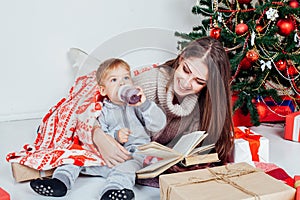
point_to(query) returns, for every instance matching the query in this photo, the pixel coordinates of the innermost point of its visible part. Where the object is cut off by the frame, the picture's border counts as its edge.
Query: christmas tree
(263, 43)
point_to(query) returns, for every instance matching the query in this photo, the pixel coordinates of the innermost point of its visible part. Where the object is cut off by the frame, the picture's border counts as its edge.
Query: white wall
(36, 35)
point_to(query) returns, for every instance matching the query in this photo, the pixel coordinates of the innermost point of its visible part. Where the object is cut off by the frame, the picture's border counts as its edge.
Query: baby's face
(112, 83)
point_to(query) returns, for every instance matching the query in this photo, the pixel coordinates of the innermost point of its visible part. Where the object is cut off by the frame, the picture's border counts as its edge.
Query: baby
(131, 123)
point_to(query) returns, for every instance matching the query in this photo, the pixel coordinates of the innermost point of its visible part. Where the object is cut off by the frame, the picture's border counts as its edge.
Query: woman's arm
(112, 152)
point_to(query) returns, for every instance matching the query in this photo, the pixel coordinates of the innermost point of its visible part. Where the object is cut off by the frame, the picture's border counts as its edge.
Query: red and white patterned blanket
(64, 135)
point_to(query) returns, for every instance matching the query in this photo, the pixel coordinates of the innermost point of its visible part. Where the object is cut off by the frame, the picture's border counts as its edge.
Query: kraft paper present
(231, 182)
(292, 127)
(23, 173)
(242, 149)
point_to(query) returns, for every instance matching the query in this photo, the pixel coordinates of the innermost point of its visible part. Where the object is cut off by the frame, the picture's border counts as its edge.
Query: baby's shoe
(49, 187)
(124, 194)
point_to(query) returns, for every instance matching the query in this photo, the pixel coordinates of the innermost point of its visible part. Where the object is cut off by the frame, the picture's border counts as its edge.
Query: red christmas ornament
(215, 33)
(259, 28)
(262, 110)
(245, 64)
(286, 26)
(241, 28)
(292, 71)
(244, 1)
(281, 65)
(252, 55)
(294, 4)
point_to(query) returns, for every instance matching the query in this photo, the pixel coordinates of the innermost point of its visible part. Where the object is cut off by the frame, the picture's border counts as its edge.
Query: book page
(157, 150)
(155, 145)
(202, 149)
(200, 159)
(188, 142)
(157, 168)
(158, 153)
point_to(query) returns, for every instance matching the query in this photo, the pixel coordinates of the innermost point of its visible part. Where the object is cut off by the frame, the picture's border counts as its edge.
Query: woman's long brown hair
(215, 99)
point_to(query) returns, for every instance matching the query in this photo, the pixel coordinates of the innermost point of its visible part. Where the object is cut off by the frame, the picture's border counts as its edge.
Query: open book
(184, 151)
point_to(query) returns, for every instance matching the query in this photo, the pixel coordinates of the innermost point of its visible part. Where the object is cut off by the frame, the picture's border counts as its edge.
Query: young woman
(193, 90)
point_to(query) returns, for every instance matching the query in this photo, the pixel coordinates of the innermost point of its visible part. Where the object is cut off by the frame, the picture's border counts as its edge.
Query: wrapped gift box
(280, 110)
(244, 150)
(241, 120)
(292, 127)
(230, 182)
(23, 173)
(4, 195)
(275, 113)
(297, 186)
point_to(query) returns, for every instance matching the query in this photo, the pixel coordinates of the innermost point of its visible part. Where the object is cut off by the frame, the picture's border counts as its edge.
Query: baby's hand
(123, 135)
(142, 95)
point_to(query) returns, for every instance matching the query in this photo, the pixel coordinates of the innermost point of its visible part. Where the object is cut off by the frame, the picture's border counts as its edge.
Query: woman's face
(190, 76)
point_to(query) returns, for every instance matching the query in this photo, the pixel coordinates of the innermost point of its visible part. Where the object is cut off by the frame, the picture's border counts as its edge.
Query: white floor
(15, 134)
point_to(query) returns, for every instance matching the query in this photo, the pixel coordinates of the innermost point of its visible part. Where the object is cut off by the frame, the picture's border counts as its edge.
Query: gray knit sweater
(181, 118)
(144, 120)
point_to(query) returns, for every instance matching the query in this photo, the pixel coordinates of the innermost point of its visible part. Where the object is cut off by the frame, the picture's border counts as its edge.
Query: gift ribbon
(252, 138)
(217, 176)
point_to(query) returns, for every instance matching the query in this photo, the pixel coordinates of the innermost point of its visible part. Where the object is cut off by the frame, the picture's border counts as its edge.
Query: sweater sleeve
(148, 82)
(104, 125)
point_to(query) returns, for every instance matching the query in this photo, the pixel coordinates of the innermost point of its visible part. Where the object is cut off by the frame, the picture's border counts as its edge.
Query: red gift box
(278, 111)
(297, 186)
(275, 112)
(4, 195)
(292, 127)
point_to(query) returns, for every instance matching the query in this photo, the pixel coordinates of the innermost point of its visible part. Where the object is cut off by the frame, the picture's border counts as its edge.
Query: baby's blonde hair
(109, 65)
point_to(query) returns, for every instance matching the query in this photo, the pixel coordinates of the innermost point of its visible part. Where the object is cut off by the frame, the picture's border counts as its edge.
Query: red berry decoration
(244, 1)
(286, 26)
(294, 4)
(252, 55)
(241, 28)
(215, 33)
(259, 28)
(281, 65)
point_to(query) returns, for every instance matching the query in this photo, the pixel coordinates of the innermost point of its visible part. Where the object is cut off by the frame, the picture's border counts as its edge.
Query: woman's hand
(112, 152)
